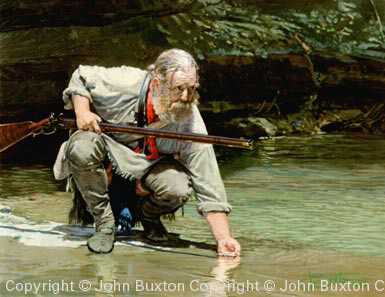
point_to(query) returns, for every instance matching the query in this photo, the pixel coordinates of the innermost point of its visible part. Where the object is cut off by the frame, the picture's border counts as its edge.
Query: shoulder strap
(141, 114)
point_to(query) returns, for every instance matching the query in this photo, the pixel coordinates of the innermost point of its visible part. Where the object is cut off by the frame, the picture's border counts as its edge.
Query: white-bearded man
(166, 172)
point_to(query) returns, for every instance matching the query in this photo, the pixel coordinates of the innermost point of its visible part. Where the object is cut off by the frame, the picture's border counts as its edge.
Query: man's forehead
(184, 76)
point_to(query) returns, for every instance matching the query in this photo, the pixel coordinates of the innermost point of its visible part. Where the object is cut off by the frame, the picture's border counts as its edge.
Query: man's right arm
(85, 118)
(78, 97)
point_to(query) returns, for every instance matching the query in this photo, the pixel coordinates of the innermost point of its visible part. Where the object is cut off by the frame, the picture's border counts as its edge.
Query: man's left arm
(201, 161)
(226, 244)
(210, 191)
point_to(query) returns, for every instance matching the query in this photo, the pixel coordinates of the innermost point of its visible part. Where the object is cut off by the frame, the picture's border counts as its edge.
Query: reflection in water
(106, 272)
(222, 277)
(324, 191)
(302, 206)
(321, 191)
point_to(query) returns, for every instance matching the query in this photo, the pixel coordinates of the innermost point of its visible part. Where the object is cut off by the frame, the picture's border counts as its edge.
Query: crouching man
(169, 171)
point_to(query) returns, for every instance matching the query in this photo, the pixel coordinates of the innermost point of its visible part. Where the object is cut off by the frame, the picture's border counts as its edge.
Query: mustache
(177, 111)
(173, 111)
(180, 106)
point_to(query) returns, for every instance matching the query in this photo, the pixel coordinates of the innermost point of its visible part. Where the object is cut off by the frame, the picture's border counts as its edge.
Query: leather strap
(141, 114)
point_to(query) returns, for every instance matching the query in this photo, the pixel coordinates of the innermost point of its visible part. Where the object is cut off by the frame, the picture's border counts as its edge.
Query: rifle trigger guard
(36, 133)
(48, 132)
(45, 130)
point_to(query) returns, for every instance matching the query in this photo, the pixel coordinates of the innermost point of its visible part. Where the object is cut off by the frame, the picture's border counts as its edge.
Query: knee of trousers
(172, 198)
(85, 150)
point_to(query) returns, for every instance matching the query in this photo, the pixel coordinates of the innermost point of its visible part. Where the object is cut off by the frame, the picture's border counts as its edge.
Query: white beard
(171, 114)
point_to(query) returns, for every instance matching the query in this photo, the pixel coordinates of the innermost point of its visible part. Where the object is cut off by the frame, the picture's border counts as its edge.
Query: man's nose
(184, 95)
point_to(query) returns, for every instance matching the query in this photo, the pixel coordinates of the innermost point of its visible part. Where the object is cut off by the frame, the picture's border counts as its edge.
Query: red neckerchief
(150, 148)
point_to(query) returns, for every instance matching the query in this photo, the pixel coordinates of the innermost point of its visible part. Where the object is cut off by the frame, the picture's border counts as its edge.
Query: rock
(252, 127)
(5, 209)
(283, 126)
(264, 124)
(6, 216)
(303, 122)
(40, 48)
(336, 119)
(281, 52)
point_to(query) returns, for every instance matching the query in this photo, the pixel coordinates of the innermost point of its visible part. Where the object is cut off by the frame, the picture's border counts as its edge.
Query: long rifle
(12, 133)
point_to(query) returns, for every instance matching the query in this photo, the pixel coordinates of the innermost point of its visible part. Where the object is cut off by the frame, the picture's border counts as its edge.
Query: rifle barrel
(183, 136)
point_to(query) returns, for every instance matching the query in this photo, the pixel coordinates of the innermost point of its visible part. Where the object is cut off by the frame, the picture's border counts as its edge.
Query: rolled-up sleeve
(202, 163)
(76, 86)
(207, 181)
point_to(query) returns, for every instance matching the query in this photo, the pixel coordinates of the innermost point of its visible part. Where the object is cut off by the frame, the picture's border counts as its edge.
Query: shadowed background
(267, 67)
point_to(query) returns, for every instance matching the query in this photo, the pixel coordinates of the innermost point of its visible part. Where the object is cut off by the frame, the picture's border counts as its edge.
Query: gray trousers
(167, 180)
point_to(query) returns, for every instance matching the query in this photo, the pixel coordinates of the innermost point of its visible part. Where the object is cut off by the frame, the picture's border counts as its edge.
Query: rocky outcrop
(273, 56)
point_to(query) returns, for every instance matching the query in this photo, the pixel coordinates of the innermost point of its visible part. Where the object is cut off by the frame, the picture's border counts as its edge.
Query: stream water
(306, 210)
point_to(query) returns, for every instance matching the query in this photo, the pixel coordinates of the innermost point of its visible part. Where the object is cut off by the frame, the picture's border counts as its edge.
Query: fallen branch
(378, 20)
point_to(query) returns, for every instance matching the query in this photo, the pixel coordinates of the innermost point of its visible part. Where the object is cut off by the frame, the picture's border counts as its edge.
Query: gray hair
(170, 61)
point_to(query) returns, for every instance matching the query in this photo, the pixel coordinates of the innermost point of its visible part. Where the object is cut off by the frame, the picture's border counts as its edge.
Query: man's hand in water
(229, 247)
(226, 244)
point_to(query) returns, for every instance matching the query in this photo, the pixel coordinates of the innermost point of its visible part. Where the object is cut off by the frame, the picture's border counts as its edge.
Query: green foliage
(220, 27)
(343, 29)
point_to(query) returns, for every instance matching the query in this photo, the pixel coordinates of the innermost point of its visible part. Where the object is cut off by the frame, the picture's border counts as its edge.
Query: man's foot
(102, 242)
(154, 229)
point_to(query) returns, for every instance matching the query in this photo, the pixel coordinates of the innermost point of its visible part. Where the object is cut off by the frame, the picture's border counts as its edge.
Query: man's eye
(180, 89)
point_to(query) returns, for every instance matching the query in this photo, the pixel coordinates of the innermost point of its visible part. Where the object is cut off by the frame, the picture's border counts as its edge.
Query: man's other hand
(88, 121)
(228, 247)
(85, 118)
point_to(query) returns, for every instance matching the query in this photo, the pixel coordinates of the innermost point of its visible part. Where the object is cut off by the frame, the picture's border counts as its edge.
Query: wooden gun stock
(12, 133)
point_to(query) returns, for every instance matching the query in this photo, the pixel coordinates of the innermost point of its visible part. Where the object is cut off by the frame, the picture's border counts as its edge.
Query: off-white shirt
(114, 93)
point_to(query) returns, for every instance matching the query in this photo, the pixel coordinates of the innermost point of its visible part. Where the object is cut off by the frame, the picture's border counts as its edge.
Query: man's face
(177, 94)
(182, 85)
